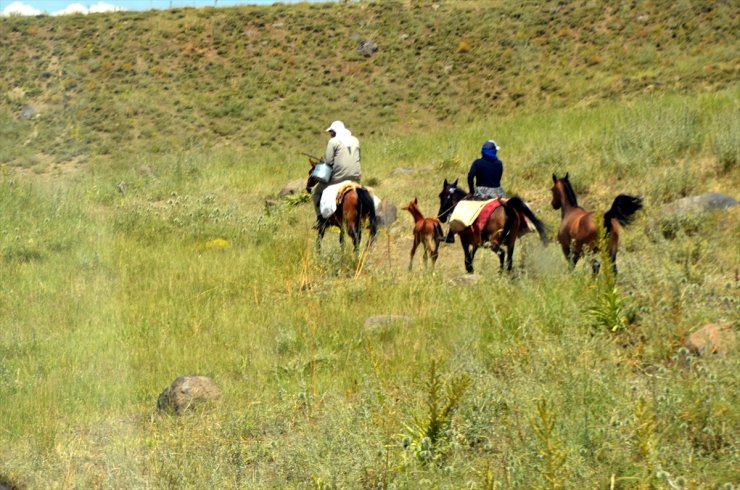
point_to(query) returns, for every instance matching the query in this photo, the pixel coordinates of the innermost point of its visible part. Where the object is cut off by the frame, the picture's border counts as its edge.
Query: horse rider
(484, 177)
(343, 156)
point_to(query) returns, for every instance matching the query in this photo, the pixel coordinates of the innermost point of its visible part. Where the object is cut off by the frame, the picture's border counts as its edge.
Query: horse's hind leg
(469, 251)
(501, 256)
(434, 250)
(413, 252)
(509, 256)
(355, 236)
(321, 229)
(595, 266)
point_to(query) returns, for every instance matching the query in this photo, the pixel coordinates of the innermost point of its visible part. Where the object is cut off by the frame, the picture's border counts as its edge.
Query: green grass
(251, 78)
(108, 296)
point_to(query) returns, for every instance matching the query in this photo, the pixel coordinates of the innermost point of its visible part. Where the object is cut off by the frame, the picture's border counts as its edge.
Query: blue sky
(33, 7)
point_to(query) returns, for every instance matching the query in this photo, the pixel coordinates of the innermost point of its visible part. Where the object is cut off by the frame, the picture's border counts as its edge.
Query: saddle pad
(332, 194)
(465, 214)
(485, 213)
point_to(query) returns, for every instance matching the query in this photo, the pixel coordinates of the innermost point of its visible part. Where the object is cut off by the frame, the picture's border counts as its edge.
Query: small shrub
(429, 437)
(463, 47)
(553, 456)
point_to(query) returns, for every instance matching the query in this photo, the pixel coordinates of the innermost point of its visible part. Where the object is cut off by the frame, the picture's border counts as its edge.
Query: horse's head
(311, 182)
(562, 192)
(449, 197)
(414, 204)
(557, 193)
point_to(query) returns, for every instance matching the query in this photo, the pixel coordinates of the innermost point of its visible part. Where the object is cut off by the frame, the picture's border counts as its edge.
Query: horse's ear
(446, 183)
(566, 175)
(455, 183)
(416, 201)
(554, 179)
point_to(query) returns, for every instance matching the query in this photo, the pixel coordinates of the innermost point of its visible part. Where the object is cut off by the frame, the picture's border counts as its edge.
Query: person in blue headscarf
(484, 177)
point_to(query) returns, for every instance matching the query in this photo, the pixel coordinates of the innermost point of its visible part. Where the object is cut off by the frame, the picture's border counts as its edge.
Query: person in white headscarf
(343, 156)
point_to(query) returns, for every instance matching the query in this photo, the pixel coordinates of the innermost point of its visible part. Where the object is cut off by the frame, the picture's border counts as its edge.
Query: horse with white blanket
(346, 205)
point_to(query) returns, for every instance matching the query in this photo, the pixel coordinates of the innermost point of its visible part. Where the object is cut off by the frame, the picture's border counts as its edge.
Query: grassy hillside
(80, 88)
(139, 248)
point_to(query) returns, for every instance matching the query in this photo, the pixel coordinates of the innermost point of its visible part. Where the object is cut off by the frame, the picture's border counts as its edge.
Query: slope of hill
(160, 257)
(77, 88)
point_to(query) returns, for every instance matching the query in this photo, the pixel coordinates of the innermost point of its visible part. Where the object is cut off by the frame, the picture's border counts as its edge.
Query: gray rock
(27, 113)
(292, 187)
(703, 203)
(187, 393)
(367, 48)
(687, 214)
(466, 280)
(403, 171)
(386, 213)
(382, 320)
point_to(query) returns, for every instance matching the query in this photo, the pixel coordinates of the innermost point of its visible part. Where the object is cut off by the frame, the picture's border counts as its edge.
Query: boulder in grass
(386, 213)
(711, 339)
(367, 48)
(378, 321)
(293, 187)
(688, 213)
(187, 393)
(704, 203)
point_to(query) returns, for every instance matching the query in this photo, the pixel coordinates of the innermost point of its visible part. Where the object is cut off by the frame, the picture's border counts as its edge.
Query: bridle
(451, 192)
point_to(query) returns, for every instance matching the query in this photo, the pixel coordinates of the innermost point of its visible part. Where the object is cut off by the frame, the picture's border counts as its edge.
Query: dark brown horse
(427, 231)
(579, 233)
(355, 206)
(502, 228)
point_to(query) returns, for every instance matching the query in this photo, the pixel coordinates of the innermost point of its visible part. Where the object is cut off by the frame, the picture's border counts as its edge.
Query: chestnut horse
(356, 205)
(505, 224)
(427, 231)
(579, 234)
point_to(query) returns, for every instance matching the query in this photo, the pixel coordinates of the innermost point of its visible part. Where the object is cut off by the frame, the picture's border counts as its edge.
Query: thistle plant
(429, 436)
(646, 440)
(608, 310)
(553, 456)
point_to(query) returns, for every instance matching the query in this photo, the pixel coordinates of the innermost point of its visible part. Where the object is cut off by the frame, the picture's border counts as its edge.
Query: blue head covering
(489, 150)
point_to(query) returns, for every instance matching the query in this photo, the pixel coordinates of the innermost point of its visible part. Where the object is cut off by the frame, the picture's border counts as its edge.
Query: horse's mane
(569, 193)
(457, 192)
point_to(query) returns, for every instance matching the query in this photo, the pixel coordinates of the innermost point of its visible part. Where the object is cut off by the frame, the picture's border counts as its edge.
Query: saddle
(468, 213)
(476, 213)
(332, 196)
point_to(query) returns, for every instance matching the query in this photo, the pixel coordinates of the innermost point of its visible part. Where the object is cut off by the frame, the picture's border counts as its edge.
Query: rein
(451, 191)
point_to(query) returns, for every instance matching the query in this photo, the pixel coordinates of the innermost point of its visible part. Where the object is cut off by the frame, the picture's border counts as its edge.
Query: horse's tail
(518, 205)
(623, 209)
(508, 223)
(367, 207)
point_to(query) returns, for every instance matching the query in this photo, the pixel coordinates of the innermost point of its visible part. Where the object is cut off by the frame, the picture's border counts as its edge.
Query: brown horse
(354, 207)
(427, 231)
(502, 228)
(579, 234)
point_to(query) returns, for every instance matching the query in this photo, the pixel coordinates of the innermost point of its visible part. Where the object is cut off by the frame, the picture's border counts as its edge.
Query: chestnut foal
(427, 231)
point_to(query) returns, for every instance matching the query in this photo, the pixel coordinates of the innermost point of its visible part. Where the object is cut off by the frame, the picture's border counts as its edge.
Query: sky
(61, 7)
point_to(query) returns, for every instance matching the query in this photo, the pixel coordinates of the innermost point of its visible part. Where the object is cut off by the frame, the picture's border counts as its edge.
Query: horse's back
(578, 226)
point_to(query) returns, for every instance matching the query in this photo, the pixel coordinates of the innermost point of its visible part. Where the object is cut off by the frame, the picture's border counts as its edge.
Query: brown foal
(427, 231)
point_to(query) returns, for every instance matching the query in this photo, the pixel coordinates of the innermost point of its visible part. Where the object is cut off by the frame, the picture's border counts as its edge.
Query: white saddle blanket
(328, 202)
(465, 213)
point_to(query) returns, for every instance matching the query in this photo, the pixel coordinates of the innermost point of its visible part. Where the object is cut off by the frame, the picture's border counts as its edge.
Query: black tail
(367, 207)
(623, 209)
(510, 216)
(518, 205)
